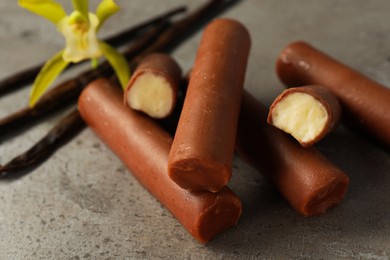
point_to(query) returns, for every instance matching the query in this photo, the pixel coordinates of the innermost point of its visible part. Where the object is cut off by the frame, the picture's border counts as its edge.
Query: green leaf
(118, 63)
(105, 9)
(48, 9)
(46, 76)
(81, 6)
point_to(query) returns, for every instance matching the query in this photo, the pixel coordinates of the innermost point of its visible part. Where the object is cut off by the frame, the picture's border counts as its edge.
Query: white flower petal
(81, 39)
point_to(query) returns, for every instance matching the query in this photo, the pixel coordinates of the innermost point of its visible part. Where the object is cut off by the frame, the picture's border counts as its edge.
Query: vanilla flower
(79, 29)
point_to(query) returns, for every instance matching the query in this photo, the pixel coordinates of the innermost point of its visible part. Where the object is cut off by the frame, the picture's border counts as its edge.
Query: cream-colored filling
(300, 115)
(151, 94)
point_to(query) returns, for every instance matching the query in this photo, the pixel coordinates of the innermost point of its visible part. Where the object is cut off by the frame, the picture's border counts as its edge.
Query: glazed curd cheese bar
(154, 85)
(306, 179)
(366, 103)
(308, 113)
(203, 146)
(143, 146)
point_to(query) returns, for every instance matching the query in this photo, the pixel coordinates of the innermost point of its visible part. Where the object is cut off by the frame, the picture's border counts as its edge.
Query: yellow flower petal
(78, 21)
(81, 39)
(46, 76)
(48, 9)
(105, 9)
(118, 62)
(81, 6)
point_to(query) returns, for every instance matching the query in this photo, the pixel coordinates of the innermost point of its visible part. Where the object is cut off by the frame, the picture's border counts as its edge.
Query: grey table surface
(83, 204)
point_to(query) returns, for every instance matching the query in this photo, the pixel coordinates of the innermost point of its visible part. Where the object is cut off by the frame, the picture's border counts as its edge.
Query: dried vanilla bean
(186, 27)
(68, 127)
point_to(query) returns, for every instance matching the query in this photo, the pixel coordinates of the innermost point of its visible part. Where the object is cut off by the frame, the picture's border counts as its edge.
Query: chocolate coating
(305, 178)
(203, 146)
(144, 147)
(324, 96)
(365, 102)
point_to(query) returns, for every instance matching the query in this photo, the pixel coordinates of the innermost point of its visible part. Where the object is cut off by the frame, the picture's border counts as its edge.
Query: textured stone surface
(83, 204)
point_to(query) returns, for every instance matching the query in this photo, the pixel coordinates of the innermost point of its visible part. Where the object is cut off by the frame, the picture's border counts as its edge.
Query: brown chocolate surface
(144, 147)
(328, 100)
(366, 103)
(306, 179)
(202, 150)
